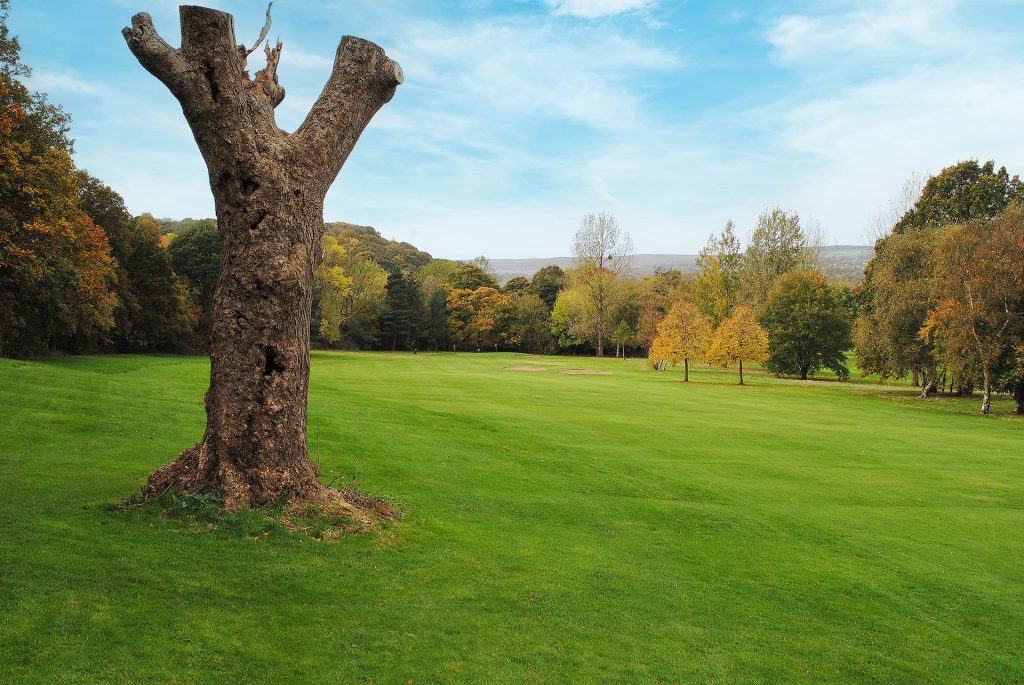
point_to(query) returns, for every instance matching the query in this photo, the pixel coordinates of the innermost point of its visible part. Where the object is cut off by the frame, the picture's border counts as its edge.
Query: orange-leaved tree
(472, 315)
(684, 334)
(739, 338)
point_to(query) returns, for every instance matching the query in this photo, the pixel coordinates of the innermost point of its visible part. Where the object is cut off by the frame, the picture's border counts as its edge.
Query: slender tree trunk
(268, 188)
(803, 372)
(914, 382)
(927, 383)
(741, 370)
(686, 370)
(1018, 398)
(986, 397)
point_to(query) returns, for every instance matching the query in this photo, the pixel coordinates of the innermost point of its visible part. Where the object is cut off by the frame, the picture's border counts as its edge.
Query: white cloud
(519, 70)
(591, 9)
(63, 82)
(872, 31)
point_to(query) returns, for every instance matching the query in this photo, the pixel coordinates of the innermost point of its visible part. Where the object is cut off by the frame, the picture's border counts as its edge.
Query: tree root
(197, 472)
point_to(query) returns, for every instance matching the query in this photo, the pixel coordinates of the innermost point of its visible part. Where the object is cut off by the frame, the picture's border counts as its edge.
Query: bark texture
(269, 188)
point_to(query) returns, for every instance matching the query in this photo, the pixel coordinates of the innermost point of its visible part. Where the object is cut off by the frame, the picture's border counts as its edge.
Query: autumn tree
(332, 286)
(56, 270)
(601, 252)
(778, 244)
(350, 293)
(522, 323)
(684, 334)
(890, 334)
(978, 290)
(719, 266)
(653, 297)
(153, 308)
(473, 316)
(809, 325)
(269, 187)
(739, 338)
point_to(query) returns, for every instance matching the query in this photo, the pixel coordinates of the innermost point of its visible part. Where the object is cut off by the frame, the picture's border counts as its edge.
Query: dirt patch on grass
(586, 372)
(525, 368)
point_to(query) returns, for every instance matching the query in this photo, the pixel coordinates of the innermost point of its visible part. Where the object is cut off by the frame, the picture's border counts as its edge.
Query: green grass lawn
(557, 528)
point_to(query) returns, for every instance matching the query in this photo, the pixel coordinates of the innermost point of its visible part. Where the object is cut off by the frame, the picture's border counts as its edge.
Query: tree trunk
(741, 370)
(686, 370)
(914, 382)
(927, 383)
(986, 397)
(803, 372)
(1018, 398)
(268, 189)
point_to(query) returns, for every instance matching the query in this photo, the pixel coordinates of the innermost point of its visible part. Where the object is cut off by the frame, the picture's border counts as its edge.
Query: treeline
(77, 272)
(941, 302)
(943, 297)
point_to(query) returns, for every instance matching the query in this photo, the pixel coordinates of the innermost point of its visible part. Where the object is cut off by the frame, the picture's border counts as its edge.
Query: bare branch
(263, 33)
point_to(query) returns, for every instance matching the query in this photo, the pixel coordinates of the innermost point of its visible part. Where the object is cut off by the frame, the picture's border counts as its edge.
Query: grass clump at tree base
(206, 512)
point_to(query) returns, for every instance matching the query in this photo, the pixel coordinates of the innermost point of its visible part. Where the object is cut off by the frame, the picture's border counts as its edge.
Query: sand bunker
(586, 372)
(525, 368)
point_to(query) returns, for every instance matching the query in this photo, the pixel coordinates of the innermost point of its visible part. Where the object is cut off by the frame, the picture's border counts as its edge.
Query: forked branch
(362, 81)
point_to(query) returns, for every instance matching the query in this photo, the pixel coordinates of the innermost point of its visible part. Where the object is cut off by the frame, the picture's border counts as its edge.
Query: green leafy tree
(894, 305)
(809, 325)
(471, 277)
(547, 283)
(195, 255)
(960, 193)
(570, 318)
(435, 322)
(517, 286)
(163, 312)
(402, 316)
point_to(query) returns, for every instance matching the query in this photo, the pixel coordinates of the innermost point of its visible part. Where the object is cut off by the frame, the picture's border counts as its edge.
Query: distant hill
(844, 261)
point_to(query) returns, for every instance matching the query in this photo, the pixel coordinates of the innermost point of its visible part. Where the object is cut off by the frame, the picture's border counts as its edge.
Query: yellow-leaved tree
(739, 338)
(684, 334)
(333, 286)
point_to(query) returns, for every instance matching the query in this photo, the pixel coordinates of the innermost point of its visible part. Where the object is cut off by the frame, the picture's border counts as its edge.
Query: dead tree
(269, 188)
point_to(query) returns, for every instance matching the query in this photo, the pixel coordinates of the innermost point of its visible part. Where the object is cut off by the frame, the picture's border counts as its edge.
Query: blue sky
(518, 117)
